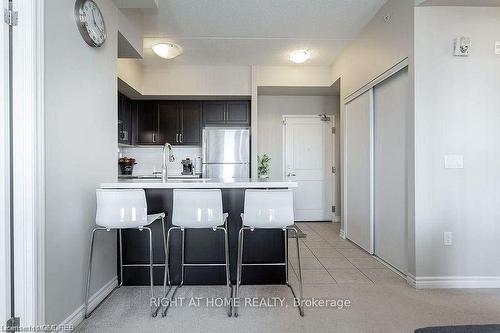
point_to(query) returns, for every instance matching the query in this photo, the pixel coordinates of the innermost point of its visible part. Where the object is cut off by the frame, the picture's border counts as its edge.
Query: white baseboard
(448, 282)
(337, 218)
(77, 317)
(342, 234)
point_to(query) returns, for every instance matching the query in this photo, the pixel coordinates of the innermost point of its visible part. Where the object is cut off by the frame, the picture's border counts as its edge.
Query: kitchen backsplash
(149, 158)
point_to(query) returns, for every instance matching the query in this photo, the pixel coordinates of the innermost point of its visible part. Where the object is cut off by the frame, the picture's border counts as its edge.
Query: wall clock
(90, 22)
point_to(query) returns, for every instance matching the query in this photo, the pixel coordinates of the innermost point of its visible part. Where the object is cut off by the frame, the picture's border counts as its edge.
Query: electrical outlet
(448, 238)
(497, 48)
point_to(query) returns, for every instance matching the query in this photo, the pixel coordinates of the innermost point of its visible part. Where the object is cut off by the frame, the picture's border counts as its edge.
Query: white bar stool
(199, 209)
(125, 209)
(268, 209)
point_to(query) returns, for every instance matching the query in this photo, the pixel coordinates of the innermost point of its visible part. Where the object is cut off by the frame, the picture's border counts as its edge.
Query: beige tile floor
(324, 253)
(333, 268)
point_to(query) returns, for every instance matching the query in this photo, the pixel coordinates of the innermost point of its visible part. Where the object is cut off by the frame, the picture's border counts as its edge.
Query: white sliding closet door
(357, 171)
(390, 171)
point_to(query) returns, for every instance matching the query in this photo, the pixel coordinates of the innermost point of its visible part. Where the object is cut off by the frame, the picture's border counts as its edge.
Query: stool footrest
(202, 265)
(266, 264)
(142, 265)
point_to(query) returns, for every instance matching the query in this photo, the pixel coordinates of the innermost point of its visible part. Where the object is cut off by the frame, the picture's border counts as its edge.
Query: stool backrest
(121, 208)
(268, 208)
(197, 208)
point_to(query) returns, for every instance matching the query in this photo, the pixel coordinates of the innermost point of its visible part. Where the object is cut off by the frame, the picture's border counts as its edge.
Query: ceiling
(255, 32)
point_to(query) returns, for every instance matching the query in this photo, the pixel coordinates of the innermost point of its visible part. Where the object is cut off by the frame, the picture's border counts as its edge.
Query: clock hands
(95, 23)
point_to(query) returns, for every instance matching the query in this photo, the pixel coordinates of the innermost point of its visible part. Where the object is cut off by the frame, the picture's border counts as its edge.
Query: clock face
(90, 22)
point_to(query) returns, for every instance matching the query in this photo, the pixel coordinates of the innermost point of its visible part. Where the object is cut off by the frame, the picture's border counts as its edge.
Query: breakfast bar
(204, 245)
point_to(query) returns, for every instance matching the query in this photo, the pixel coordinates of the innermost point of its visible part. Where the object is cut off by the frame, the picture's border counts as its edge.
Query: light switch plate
(497, 48)
(448, 238)
(453, 161)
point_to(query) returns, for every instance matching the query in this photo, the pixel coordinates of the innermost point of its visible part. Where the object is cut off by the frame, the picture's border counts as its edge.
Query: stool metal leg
(239, 268)
(121, 257)
(167, 264)
(89, 272)
(301, 309)
(151, 277)
(166, 271)
(183, 251)
(228, 282)
(285, 232)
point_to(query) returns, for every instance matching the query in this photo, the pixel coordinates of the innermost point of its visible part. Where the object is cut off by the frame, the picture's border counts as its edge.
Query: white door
(357, 171)
(390, 176)
(308, 160)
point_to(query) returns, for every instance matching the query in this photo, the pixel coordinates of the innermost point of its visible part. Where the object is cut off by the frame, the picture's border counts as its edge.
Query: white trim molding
(337, 218)
(449, 282)
(28, 162)
(78, 315)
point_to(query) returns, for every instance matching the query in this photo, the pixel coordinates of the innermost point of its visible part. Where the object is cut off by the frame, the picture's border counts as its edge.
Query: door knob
(290, 174)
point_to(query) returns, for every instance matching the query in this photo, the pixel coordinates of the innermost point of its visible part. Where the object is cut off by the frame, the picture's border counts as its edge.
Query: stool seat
(198, 209)
(268, 209)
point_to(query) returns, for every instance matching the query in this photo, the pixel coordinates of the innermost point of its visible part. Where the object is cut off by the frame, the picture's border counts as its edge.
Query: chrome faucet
(171, 158)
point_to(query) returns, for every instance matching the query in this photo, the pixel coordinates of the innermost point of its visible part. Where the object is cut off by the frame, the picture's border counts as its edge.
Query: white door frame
(28, 162)
(4, 175)
(332, 185)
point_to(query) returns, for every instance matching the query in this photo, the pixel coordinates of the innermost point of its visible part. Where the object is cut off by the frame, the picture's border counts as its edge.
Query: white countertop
(199, 183)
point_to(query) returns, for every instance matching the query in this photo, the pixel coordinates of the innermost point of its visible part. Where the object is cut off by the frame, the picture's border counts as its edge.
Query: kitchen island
(202, 246)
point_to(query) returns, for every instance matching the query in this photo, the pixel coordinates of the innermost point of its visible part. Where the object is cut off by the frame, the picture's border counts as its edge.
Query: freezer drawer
(226, 170)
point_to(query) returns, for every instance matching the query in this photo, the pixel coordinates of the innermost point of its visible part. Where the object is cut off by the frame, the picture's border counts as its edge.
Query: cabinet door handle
(180, 137)
(154, 137)
(177, 137)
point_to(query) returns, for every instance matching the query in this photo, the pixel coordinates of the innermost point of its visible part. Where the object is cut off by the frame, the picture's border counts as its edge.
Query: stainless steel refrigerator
(226, 152)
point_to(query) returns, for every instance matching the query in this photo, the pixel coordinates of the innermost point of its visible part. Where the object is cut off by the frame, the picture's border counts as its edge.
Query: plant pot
(126, 168)
(266, 176)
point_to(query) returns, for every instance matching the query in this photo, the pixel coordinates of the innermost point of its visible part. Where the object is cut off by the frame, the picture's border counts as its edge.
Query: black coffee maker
(187, 167)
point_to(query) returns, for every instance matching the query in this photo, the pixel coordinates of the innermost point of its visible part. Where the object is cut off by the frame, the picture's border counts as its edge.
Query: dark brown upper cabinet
(147, 123)
(175, 122)
(214, 113)
(124, 119)
(190, 123)
(238, 113)
(168, 126)
(180, 122)
(226, 113)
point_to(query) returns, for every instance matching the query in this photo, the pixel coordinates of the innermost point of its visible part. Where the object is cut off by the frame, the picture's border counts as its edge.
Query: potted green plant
(263, 163)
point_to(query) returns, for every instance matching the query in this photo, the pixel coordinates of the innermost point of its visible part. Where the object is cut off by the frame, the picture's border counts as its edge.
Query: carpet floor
(333, 269)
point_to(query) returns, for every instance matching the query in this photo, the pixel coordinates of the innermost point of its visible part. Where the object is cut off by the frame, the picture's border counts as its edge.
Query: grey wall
(271, 110)
(378, 47)
(80, 107)
(457, 112)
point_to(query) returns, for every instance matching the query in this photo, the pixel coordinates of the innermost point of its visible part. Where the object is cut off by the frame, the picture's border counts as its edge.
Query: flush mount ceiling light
(167, 50)
(299, 56)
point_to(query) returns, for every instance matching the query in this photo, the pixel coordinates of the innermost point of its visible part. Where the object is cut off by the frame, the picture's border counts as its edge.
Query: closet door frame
(369, 87)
